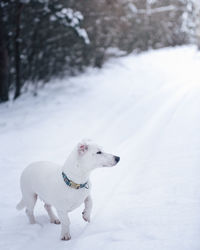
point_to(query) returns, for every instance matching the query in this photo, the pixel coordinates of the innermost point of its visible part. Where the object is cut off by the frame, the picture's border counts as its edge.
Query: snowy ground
(143, 108)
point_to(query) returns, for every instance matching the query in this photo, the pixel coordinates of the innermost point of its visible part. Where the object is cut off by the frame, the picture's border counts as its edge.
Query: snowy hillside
(143, 108)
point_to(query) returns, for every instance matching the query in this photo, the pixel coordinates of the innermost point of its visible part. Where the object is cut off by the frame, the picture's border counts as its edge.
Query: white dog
(64, 187)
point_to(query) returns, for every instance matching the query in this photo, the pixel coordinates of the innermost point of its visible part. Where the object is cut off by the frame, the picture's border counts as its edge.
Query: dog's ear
(82, 148)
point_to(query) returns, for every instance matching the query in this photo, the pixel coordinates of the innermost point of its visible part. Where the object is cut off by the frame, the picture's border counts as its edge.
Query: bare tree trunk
(148, 24)
(197, 24)
(19, 7)
(3, 63)
(3, 72)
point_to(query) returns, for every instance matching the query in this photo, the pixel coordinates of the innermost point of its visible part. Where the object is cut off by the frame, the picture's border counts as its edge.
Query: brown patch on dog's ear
(82, 148)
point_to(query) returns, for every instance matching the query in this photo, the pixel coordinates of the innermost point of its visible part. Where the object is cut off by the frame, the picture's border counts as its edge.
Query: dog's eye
(99, 152)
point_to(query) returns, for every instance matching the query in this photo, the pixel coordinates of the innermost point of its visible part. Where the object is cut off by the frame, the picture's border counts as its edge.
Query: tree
(44, 39)
(19, 8)
(3, 62)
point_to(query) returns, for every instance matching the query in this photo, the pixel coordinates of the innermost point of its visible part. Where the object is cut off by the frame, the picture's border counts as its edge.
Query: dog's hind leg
(30, 202)
(53, 218)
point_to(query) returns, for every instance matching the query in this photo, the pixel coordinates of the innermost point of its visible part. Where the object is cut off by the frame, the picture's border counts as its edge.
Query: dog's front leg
(88, 208)
(65, 222)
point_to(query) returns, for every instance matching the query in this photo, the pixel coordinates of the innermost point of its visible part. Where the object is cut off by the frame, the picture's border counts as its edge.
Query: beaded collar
(72, 184)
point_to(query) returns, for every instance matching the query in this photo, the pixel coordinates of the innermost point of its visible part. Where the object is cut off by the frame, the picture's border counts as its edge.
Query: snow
(143, 108)
(71, 18)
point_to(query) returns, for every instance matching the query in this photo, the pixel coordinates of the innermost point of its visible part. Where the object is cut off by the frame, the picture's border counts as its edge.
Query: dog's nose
(117, 159)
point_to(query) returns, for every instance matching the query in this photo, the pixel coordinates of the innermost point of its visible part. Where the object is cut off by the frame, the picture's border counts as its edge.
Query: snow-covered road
(144, 109)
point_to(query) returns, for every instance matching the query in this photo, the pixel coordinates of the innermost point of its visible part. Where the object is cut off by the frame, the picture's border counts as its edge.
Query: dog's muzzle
(117, 159)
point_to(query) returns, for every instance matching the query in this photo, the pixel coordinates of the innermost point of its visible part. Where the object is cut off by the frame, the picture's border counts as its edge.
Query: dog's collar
(72, 184)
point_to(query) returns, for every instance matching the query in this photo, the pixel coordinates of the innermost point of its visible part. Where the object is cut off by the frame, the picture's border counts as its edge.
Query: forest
(43, 39)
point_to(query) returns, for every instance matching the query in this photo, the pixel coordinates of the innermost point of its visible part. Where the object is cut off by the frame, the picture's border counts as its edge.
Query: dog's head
(91, 156)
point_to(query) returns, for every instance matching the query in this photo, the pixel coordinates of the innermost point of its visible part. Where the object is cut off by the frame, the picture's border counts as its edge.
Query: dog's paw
(55, 221)
(86, 216)
(66, 236)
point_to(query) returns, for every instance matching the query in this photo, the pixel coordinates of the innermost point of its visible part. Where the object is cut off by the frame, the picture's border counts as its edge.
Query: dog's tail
(20, 205)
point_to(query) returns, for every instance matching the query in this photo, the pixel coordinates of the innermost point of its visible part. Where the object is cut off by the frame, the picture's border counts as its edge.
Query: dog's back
(37, 179)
